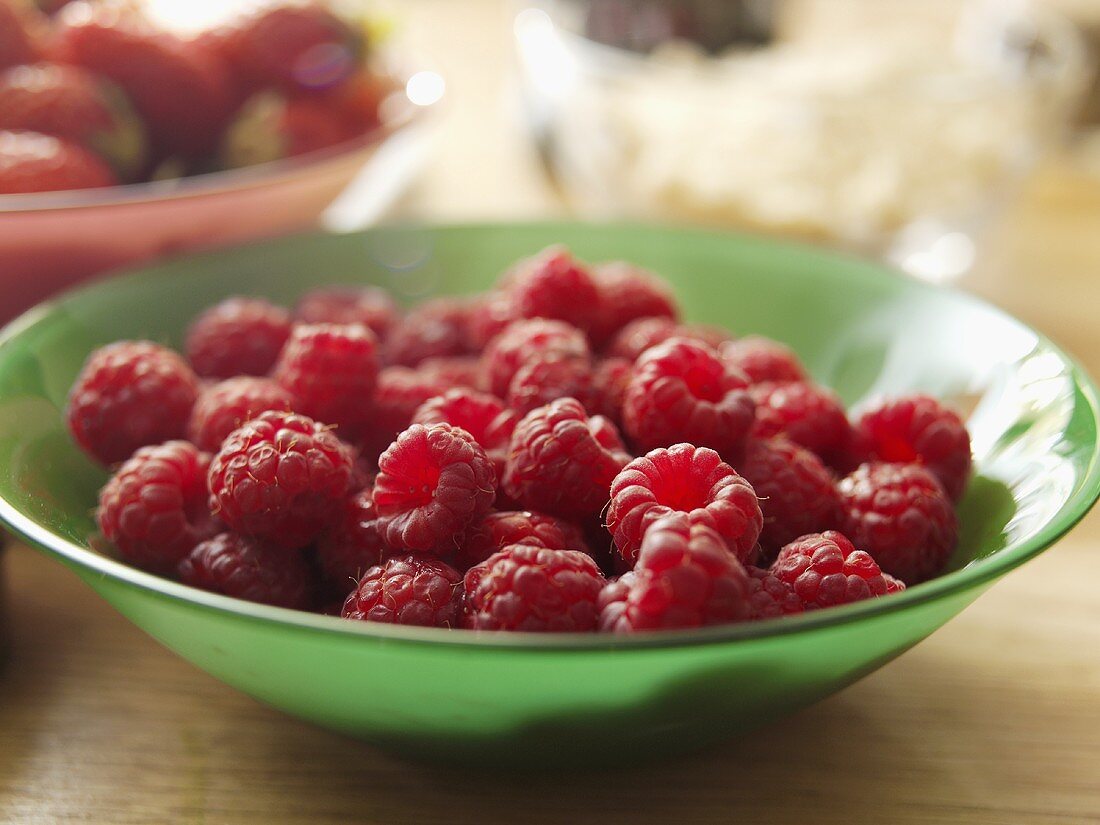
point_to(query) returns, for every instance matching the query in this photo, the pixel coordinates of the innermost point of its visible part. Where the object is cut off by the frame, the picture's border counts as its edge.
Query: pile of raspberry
(563, 453)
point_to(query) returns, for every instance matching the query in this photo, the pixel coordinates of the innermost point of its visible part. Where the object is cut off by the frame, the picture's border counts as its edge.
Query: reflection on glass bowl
(896, 134)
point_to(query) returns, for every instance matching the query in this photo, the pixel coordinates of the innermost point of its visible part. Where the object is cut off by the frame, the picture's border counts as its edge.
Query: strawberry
(21, 30)
(70, 102)
(32, 162)
(181, 92)
(295, 46)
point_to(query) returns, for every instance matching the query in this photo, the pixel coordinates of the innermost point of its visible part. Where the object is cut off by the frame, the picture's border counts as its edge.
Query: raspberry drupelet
(397, 395)
(280, 478)
(497, 530)
(410, 590)
(534, 589)
(483, 416)
(154, 509)
(681, 391)
(352, 544)
(685, 577)
(771, 596)
(685, 479)
(825, 569)
(239, 336)
(919, 429)
(763, 359)
(900, 514)
(796, 491)
(526, 339)
(332, 370)
(555, 285)
(370, 306)
(130, 394)
(238, 566)
(546, 378)
(807, 414)
(562, 462)
(225, 406)
(433, 482)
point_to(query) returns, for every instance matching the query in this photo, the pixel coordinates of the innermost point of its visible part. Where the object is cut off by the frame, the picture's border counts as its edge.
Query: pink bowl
(52, 240)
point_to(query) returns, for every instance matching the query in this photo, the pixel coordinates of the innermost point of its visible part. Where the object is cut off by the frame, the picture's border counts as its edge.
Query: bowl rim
(404, 113)
(975, 574)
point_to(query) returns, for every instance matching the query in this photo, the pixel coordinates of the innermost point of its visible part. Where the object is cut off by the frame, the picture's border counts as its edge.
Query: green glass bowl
(532, 699)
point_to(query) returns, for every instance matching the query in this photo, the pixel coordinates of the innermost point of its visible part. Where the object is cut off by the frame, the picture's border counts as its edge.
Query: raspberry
(280, 478)
(223, 407)
(488, 316)
(432, 483)
(433, 329)
(533, 589)
(154, 508)
(681, 391)
(397, 395)
(554, 285)
(628, 293)
(825, 569)
(609, 380)
(498, 530)
(771, 596)
(128, 395)
(638, 336)
(685, 577)
(332, 370)
(370, 306)
(547, 378)
(919, 429)
(562, 462)
(612, 601)
(763, 359)
(807, 414)
(410, 591)
(796, 491)
(523, 340)
(686, 479)
(243, 568)
(453, 370)
(239, 336)
(353, 544)
(482, 416)
(901, 515)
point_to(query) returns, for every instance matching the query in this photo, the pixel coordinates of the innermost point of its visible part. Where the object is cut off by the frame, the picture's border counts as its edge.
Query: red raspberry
(534, 589)
(562, 462)
(482, 416)
(524, 340)
(280, 478)
(410, 591)
(807, 414)
(685, 577)
(763, 359)
(130, 394)
(434, 329)
(547, 378)
(32, 162)
(498, 530)
(370, 306)
(612, 601)
(681, 391)
(796, 491)
(901, 515)
(554, 285)
(432, 483)
(609, 379)
(239, 336)
(771, 596)
(453, 370)
(825, 569)
(243, 568)
(638, 336)
(919, 429)
(353, 544)
(398, 394)
(628, 293)
(489, 316)
(332, 370)
(687, 479)
(154, 508)
(223, 407)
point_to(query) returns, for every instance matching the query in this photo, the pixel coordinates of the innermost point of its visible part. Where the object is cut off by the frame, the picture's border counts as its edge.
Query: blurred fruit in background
(33, 162)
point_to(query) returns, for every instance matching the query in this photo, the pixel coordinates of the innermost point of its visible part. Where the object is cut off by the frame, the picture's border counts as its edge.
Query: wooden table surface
(994, 719)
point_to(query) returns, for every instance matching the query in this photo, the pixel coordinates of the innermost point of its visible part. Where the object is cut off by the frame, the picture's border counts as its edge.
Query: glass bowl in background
(894, 129)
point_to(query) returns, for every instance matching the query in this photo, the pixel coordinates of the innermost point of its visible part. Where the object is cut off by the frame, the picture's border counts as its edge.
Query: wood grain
(995, 719)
